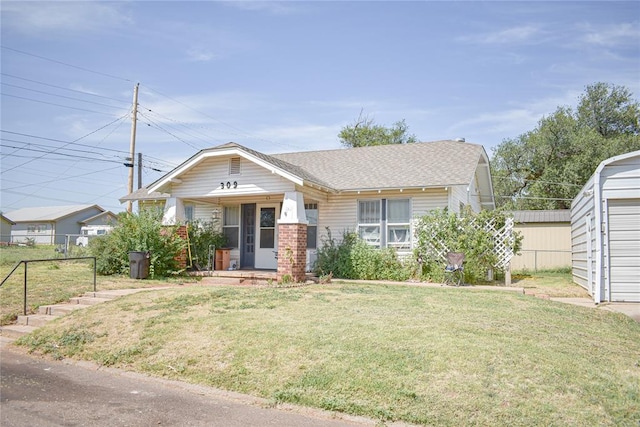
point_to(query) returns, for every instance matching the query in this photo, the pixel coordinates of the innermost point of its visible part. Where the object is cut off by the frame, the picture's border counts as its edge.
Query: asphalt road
(35, 392)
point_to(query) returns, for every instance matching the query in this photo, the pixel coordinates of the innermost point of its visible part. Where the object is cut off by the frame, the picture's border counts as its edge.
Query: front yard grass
(421, 355)
(52, 282)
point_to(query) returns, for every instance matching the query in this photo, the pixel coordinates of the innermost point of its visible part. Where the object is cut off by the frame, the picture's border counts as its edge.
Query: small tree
(140, 232)
(364, 132)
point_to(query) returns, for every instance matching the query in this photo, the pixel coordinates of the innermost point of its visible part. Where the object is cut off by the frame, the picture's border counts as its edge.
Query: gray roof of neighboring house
(101, 214)
(560, 215)
(421, 164)
(4, 218)
(47, 213)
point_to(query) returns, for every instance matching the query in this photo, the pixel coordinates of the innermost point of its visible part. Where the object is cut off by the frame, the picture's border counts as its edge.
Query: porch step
(16, 331)
(27, 324)
(88, 300)
(35, 320)
(60, 309)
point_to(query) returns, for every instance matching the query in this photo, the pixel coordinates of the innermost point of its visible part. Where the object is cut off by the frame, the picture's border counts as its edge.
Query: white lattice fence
(503, 238)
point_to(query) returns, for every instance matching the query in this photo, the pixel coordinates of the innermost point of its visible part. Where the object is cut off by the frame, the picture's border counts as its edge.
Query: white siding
(340, 212)
(605, 234)
(206, 179)
(624, 249)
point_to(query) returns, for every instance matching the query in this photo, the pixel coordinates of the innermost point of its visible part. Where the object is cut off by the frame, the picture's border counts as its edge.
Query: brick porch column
(292, 238)
(292, 251)
(182, 232)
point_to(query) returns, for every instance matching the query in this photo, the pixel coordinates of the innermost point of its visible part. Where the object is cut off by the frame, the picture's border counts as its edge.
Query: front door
(267, 236)
(248, 245)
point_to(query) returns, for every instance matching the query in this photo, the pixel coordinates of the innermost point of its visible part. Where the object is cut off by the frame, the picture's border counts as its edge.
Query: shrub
(202, 235)
(140, 232)
(353, 258)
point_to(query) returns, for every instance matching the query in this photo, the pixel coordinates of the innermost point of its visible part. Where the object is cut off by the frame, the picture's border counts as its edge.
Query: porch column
(292, 239)
(173, 211)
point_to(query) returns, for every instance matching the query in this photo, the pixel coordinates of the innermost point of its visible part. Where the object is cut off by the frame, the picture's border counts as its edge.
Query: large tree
(365, 132)
(546, 167)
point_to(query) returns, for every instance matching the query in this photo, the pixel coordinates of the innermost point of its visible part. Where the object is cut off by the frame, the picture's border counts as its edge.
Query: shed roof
(560, 215)
(47, 213)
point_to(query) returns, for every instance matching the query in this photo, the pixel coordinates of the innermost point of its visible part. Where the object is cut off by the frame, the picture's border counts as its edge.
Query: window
(311, 210)
(399, 224)
(231, 225)
(385, 223)
(189, 213)
(267, 228)
(37, 228)
(369, 220)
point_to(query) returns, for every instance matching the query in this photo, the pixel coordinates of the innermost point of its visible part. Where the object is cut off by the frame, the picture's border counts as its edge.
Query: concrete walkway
(631, 309)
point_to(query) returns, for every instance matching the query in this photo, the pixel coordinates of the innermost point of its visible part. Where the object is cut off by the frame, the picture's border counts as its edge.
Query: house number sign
(228, 185)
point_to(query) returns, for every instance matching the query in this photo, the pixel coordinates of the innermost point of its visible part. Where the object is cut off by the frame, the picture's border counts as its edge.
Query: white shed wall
(605, 231)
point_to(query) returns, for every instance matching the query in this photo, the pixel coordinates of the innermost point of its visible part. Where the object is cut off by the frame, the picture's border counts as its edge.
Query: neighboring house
(50, 225)
(97, 225)
(5, 229)
(101, 219)
(605, 231)
(376, 191)
(546, 242)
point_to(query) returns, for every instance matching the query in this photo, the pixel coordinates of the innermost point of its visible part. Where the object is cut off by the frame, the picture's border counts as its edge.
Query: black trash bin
(139, 264)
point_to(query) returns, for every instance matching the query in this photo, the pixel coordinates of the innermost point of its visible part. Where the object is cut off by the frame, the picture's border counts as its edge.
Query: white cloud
(613, 35)
(272, 7)
(45, 18)
(514, 35)
(199, 54)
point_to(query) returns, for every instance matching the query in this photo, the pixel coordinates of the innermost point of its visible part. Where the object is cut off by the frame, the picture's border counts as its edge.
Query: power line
(64, 88)
(59, 96)
(536, 180)
(157, 126)
(82, 137)
(54, 104)
(64, 142)
(66, 64)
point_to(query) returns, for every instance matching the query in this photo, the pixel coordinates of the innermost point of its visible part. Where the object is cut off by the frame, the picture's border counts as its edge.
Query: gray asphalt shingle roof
(46, 213)
(439, 163)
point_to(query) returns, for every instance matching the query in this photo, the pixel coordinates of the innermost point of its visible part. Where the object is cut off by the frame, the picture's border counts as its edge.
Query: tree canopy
(547, 166)
(365, 132)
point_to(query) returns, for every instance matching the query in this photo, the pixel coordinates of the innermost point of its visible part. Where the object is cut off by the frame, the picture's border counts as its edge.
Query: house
(546, 239)
(276, 209)
(605, 231)
(50, 225)
(5, 229)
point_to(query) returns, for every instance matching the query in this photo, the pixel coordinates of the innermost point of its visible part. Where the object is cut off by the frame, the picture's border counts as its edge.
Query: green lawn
(422, 355)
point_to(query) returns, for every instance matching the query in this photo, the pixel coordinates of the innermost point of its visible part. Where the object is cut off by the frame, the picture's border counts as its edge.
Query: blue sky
(280, 77)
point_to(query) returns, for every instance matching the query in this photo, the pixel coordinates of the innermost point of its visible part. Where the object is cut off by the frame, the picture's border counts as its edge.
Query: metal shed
(605, 231)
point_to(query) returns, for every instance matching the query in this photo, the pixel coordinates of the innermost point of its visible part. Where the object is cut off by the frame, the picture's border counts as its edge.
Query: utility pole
(134, 120)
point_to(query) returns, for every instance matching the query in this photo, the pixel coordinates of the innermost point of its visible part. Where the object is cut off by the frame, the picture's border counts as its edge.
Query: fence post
(24, 307)
(94, 274)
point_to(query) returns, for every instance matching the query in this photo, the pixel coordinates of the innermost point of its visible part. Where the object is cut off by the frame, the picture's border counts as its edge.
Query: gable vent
(234, 166)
